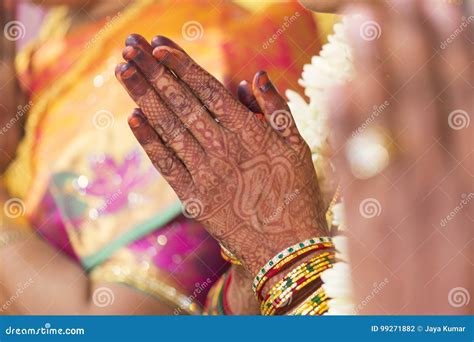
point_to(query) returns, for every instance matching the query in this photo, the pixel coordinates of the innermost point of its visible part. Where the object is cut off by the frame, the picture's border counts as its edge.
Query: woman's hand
(410, 224)
(251, 182)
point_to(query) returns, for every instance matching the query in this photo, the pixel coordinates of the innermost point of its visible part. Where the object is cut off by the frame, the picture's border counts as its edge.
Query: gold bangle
(229, 256)
(294, 282)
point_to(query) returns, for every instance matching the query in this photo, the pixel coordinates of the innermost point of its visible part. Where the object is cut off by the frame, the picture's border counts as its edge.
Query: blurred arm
(35, 278)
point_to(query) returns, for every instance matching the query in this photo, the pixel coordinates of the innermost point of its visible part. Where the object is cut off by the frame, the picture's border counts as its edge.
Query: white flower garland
(333, 66)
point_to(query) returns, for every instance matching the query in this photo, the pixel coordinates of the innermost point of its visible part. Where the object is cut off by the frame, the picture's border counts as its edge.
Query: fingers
(245, 95)
(454, 66)
(164, 122)
(276, 111)
(162, 157)
(414, 86)
(230, 113)
(177, 97)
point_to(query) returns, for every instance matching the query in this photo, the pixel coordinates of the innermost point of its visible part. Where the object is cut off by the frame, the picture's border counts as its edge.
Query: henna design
(257, 191)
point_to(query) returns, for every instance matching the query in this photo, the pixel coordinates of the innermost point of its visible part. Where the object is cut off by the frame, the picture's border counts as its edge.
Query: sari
(87, 187)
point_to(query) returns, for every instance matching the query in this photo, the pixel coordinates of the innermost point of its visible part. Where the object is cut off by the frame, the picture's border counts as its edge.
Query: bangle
(316, 304)
(225, 291)
(216, 303)
(295, 284)
(285, 263)
(284, 254)
(291, 294)
(229, 256)
(212, 300)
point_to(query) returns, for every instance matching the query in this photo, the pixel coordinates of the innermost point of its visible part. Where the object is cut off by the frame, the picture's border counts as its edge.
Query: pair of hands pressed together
(234, 171)
(231, 169)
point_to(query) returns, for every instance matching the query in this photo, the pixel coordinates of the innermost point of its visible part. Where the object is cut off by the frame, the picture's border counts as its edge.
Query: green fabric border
(136, 232)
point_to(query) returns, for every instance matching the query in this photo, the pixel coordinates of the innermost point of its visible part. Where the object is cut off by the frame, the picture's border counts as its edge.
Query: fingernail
(160, 54)
(263, 81)
(135, 121)
(128, 71)
(164, 41)
(129, 53)
(133, 39)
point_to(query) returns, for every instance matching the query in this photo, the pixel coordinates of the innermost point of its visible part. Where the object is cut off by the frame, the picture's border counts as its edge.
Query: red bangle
(227, 310)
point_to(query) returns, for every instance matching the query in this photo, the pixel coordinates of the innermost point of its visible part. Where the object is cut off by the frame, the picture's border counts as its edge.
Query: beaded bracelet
(295, 281)
(284, 254)
(285, 263)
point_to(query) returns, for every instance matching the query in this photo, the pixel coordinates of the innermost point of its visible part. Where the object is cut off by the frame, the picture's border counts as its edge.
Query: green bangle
(285, 253)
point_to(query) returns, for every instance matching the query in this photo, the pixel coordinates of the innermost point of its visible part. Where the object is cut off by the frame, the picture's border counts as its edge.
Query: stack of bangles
(299, 292)
(216, 302)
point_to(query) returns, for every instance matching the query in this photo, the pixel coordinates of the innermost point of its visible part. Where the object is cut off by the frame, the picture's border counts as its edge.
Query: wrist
(240, 298)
